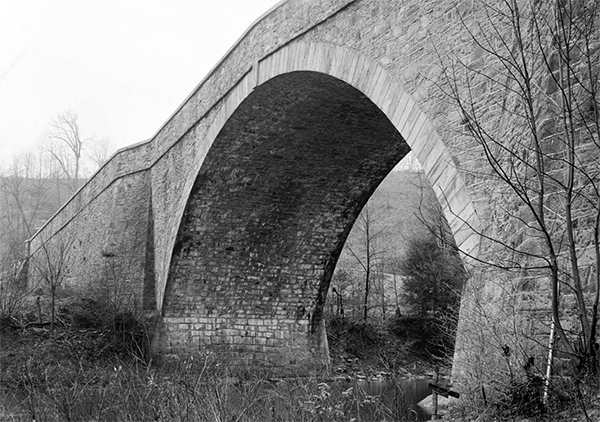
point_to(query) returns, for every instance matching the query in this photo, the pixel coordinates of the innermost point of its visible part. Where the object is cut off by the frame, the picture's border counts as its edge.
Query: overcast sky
(122, 65)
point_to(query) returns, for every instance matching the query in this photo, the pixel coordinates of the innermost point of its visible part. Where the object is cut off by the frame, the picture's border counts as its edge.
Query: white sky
(122, 65)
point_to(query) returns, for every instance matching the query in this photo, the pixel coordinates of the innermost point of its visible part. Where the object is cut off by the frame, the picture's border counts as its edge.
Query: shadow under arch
(297, 149)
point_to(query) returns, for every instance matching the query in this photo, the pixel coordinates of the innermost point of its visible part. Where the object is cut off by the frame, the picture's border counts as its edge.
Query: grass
(91, 368)
(190, 391)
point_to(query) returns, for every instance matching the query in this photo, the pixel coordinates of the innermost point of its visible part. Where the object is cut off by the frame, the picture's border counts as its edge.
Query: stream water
(404, 392)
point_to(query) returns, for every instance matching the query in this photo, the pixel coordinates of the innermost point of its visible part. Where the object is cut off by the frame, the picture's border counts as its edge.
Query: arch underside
(270, 210)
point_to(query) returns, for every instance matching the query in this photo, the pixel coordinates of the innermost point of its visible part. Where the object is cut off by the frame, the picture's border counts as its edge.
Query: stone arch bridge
(227, 224)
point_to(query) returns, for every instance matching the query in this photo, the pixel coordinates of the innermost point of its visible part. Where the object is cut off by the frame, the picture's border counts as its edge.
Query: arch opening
(268, 216)
(399, 273)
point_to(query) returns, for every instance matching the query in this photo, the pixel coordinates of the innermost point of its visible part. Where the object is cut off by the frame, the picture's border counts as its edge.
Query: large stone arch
(274, 239)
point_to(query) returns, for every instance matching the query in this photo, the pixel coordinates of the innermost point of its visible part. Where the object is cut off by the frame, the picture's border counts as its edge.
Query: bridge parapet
(126, 161)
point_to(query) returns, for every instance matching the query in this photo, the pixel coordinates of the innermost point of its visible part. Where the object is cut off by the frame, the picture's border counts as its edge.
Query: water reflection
(398, 395)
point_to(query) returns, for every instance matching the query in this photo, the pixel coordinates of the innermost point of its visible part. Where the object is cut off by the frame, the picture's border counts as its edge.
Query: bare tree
(99, 152)
(52, 264)
(67, 146)
(368, 248)
(539, 134)
(348, 292)
(22, 198)
(12, 282)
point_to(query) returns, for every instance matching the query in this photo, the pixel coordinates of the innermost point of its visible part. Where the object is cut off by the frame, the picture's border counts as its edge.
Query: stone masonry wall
(382, 31)
(105, 227)
(183, 142)
(296, 161)
(248, 191)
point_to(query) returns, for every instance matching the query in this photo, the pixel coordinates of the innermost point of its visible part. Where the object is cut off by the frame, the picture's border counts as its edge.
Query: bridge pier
(278, 346)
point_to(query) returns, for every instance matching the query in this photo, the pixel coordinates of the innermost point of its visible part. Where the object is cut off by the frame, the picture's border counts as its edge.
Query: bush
(107, 334)
(522, 399)
(432, 340)
(434, 277)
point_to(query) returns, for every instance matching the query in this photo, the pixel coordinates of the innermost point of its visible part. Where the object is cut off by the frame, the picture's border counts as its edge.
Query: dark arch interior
(277, 196)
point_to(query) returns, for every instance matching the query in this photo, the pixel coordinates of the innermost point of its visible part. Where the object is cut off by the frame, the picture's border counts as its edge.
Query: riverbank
(70, 374)
(401, 347)
(407, 348)
(92, 366)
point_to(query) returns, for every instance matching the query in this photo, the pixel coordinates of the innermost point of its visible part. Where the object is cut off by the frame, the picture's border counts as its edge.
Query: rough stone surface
(231, 218)
(297, 161)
